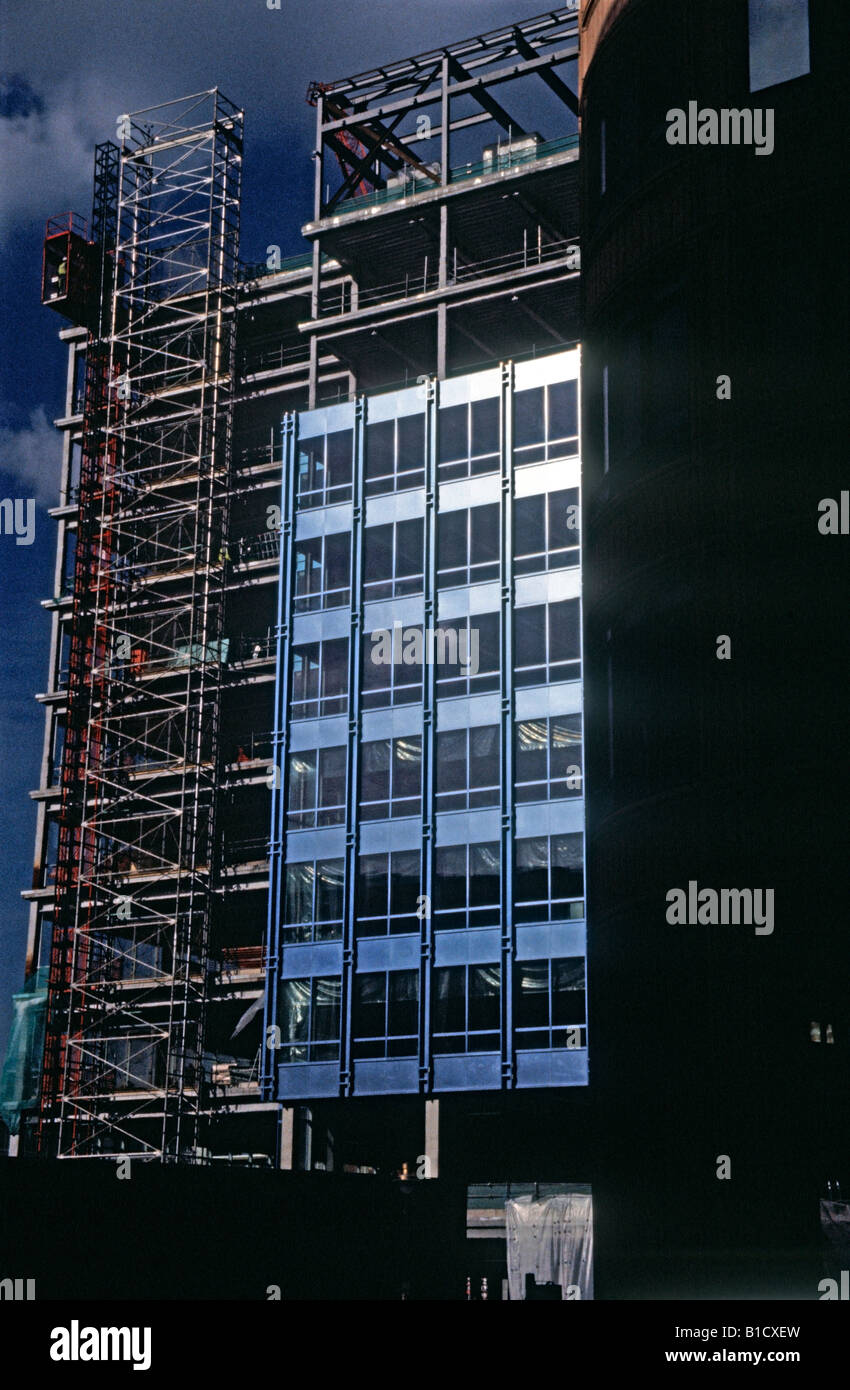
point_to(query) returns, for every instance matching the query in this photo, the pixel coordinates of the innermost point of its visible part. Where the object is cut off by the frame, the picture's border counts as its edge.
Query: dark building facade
(714, 426)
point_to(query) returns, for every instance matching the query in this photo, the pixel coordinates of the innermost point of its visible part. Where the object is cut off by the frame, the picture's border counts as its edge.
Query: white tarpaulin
(835, 1224)
(551, 1238)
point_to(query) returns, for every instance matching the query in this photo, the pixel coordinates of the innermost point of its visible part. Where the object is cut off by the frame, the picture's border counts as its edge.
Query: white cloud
(33, 457)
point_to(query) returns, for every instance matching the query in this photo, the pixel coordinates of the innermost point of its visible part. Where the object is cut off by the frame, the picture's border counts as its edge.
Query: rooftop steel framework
(361, 120)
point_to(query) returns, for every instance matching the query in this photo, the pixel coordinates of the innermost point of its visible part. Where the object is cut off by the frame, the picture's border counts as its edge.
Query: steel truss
(138, 847)
(363, 121)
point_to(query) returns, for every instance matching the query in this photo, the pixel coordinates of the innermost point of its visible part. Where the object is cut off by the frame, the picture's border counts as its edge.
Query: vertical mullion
(354, 741)
(280, 740)
(508, 941)
(429, 741)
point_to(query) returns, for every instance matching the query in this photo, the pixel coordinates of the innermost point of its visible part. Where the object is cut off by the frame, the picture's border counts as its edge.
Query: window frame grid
(465, 797)
(466, 462)
(467, 1032)
(547, 782)
(392, 667)
(320, 703)
(331, 1051)
(550, 450)
(311, 815)
(287, 929)
(545, 556)
(386, 1039)
(322, 495)
(396, 585)
(524, 909)
(467, 917)
(550, 672)
(468, 572)
(550, 1029)
(391, 800)
(316, 602)
(386, 920)
(397, 474)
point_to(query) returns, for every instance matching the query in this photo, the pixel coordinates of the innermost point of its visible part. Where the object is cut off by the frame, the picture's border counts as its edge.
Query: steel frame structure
(359, 119)
(374, 129)
(137, 831)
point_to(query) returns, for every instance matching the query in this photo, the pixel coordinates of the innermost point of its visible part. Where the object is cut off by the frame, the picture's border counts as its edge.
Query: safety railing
(506, 158)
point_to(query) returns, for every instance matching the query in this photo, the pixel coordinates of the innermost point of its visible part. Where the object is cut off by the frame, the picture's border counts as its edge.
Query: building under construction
(310, 867)
(299, 904)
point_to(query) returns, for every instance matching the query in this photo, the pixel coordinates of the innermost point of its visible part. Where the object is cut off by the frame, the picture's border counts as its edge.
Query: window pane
(566, 753)
(298, 897)
(407, 767)
(568, 1005)
(484, 756)
(485, 426)
(408, 558)
(375, 771)
(564, 519)
(308, 569)
(531, 1003)
(340, 447)
(484, 534)
(450, 876)
(487, 627)
(528, 417)
(295, 1010)
(376, 674)
(563, 410)
(302, 782)
(403, 1005)
(484, 981)
(378, 554)
(484, 861)
(337, 561)
(326, 1013)
(531, 879)
(532, 743)
(335, 667)
(330, 874)
(451, 760)
(529, 532)
(530, 635)
(453, 433)
(311, 463)
(372, 884)
(305, 672)
(380, 445)
(405, 885)
(411, 442)
(567, 871)
(564, 630)
(332, 777)
(451, 540)
(369, 1005)
(450, 999)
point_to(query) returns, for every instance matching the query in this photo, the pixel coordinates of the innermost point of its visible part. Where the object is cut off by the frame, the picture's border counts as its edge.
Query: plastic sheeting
(551, 1238)
(19, 1081)
(835, 1225)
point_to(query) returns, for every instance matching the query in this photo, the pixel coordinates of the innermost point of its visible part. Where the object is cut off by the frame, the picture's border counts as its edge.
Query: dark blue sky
(69, 70)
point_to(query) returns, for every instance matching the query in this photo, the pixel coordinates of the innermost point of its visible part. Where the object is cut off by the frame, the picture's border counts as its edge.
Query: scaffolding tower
(141, 762)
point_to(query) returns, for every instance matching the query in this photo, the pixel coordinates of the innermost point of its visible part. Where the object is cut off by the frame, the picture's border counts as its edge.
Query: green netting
(19, 1081)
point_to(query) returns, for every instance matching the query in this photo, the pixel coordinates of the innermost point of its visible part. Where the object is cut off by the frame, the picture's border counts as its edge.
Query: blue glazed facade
(426, 907)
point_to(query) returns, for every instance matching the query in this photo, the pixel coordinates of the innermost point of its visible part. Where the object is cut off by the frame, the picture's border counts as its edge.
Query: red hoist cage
(76, 282)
